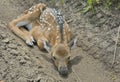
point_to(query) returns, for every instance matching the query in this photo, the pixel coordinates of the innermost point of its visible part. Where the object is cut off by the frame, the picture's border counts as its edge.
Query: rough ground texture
(92, 56)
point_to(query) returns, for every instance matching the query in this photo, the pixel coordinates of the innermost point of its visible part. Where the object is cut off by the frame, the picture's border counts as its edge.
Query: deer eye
(54, 58)
(68, 58)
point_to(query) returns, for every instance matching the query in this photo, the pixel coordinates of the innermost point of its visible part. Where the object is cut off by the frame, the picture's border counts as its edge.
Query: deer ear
(47, 46)
(73, 42)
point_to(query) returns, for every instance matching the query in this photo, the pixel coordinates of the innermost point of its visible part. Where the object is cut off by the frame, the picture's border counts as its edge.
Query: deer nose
(63, 70)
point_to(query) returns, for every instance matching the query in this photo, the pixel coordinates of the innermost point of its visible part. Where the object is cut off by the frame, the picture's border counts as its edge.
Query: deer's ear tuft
(73, 42)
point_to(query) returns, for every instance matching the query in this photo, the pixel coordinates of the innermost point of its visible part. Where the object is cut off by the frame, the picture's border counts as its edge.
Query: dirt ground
(91, 57)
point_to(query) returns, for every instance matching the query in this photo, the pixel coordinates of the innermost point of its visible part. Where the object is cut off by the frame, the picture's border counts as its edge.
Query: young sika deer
(49, 29)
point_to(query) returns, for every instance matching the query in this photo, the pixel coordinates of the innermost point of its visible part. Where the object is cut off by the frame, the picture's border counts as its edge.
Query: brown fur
(44, 29)
(61, 51)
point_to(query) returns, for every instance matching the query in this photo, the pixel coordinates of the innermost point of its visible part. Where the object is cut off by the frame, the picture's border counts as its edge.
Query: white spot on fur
(69, 30)
(45, 46)
(30, 12)
(34, 7)
(57, 37)
(57, 26)
(37, 9)
(49, 29)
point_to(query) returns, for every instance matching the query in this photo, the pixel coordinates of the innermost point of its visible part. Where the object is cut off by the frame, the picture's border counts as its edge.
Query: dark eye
(54, 58)
(68, 58)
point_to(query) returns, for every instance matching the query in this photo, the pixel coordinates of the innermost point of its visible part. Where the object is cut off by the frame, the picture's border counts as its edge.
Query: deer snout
(63, 70)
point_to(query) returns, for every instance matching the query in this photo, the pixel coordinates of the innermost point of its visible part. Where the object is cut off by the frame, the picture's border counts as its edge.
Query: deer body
(49, 29)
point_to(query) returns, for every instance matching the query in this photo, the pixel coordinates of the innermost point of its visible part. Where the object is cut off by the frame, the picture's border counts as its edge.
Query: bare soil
(91, 57)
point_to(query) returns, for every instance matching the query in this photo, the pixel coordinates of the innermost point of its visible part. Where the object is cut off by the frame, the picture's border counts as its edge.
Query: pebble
(12, 46)
(3, 35)
(44, 79)
(99, 15)
(6, 40)
(26, 57)
(8, 49)
(14, 52)
(22, 61)
(19, 44)
(3, 47)
(22, 79)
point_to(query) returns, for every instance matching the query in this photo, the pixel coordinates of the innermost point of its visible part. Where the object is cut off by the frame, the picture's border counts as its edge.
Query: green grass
(92, 3)
(62, 1)
(89, 7)
(106, 3)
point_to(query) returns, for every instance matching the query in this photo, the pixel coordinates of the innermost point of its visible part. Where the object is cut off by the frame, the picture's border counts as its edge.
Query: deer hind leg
(15, 26)
(24, 20)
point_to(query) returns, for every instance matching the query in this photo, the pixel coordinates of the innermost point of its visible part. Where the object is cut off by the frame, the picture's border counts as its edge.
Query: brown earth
(91, 57)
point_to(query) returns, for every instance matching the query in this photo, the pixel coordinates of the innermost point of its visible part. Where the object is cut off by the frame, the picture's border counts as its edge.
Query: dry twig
(79, 80)
(115, 50)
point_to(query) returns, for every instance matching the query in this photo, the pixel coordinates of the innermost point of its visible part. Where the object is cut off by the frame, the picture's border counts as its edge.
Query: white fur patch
(49, 29)
(23, 23)
(29, 26)
(46, 47)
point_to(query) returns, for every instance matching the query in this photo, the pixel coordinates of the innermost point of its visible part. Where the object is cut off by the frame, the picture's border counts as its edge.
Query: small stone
(12, 46)
(26, 57)
(31, 80)
(6, 40)
(14, 52)
(99, 15)
(96, 56)
(22, 61)
(3, 35)
(1, 77)
(19, 44)
(22, 79)
(104, 44)
(8, 49)
(3, 47)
